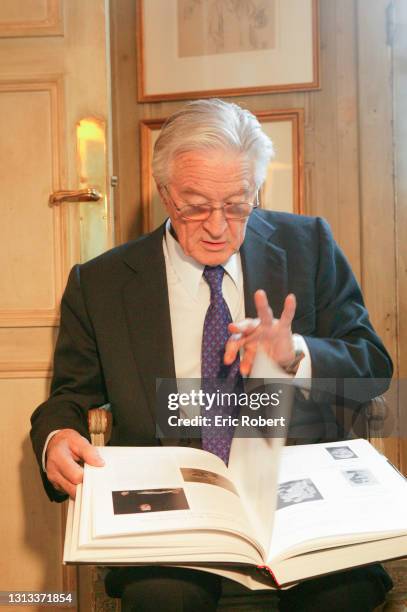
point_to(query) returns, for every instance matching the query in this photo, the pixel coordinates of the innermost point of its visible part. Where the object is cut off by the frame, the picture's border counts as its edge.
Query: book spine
(267, 571)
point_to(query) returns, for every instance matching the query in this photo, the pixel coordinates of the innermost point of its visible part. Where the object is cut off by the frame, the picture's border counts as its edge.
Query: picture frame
(203, 52)
(283, 189)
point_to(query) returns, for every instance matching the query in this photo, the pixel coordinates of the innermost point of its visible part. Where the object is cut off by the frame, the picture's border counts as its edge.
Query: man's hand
(273, 335)
(65, 451)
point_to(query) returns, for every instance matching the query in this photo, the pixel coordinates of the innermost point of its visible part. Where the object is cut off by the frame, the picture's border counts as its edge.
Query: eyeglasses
(202, 212)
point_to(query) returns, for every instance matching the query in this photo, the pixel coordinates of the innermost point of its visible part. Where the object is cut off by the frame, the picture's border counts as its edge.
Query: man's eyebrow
(191, 191)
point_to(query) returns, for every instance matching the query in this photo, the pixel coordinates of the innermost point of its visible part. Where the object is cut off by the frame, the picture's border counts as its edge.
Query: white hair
(208, 125)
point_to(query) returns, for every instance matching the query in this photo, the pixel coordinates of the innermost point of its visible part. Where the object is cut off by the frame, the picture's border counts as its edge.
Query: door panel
(31, 239)
(36, 18)
(53, 73)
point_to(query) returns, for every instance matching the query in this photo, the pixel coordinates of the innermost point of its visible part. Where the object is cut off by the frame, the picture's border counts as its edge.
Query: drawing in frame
(283, 189)
(202, 48)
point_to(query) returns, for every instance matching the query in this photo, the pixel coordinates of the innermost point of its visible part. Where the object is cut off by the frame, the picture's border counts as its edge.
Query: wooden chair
(234, 598)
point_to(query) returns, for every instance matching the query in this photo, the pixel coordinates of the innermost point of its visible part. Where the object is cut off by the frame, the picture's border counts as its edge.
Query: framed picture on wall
(283, 189)
(204, 48)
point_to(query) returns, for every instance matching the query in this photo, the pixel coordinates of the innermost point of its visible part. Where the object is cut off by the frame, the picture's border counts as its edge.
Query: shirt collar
(190, 271)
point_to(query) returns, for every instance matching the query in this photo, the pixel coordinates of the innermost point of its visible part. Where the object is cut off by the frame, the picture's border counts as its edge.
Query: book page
(254, 464)
(320, 562)
(144, 490)
(249, 577)
(72, 525)
(254, 456)
(68, 530)
(339, 492)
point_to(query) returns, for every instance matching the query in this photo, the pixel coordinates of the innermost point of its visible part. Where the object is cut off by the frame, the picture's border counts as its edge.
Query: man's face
(215, 177)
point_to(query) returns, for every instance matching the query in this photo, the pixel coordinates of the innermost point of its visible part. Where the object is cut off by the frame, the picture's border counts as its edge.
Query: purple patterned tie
(217, 440)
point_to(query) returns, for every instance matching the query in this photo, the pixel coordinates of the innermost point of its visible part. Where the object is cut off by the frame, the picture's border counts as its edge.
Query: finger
(64, 486)
(244, 327)
(247, 360)
(88, 453)
(290, 305)
(238, 341)
(62, 464)
(72, 471)
(232, 347)
(264, 311)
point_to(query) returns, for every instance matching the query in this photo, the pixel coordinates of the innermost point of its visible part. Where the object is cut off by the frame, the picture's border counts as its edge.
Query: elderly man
(164, 306)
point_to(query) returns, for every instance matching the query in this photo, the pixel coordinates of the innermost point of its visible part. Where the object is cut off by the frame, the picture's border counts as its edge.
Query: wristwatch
(292, 367)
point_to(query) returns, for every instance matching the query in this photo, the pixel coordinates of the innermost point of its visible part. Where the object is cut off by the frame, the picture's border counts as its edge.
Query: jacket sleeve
(345, 344)
(77, 383)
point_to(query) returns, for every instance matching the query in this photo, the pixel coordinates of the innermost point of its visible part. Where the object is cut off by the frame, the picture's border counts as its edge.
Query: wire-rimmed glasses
(202, 212)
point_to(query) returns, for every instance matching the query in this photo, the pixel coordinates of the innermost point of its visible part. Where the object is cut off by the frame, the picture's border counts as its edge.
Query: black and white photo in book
(207, 477)
(297, 492)
(359, 478)
(341, 452)
(156, 500)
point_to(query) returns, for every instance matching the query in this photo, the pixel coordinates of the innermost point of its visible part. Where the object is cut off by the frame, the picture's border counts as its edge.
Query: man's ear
(163, 195)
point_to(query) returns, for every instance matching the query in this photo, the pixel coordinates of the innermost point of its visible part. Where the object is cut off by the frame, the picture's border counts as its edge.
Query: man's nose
(216, 223)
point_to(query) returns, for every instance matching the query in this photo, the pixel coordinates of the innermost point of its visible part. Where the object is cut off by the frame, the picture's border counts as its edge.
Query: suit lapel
(264, 266)
(147, 310)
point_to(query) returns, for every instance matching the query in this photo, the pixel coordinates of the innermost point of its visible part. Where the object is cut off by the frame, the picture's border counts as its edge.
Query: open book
(275, 516)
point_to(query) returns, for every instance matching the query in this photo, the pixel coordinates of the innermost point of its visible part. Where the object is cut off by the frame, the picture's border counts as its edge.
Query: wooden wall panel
(21, 11)
(28, 519)
(21, 18)
(376, 169)
(400, 133)
(26, 352)
(331, 133)
(376, 166)
(348, 205)
(30, 150)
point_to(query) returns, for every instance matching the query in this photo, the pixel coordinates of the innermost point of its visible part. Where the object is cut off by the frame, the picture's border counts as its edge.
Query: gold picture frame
(284, 186)
(216, 62)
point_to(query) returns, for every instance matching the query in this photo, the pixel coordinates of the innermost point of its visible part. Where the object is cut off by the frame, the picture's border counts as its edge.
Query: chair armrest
(376, 412)
(100, 424)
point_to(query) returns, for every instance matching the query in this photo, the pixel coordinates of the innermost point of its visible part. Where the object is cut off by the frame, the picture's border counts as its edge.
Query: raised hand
(273, 335)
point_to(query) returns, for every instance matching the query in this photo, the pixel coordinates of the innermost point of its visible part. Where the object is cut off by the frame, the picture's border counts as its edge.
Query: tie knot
(214, 277)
